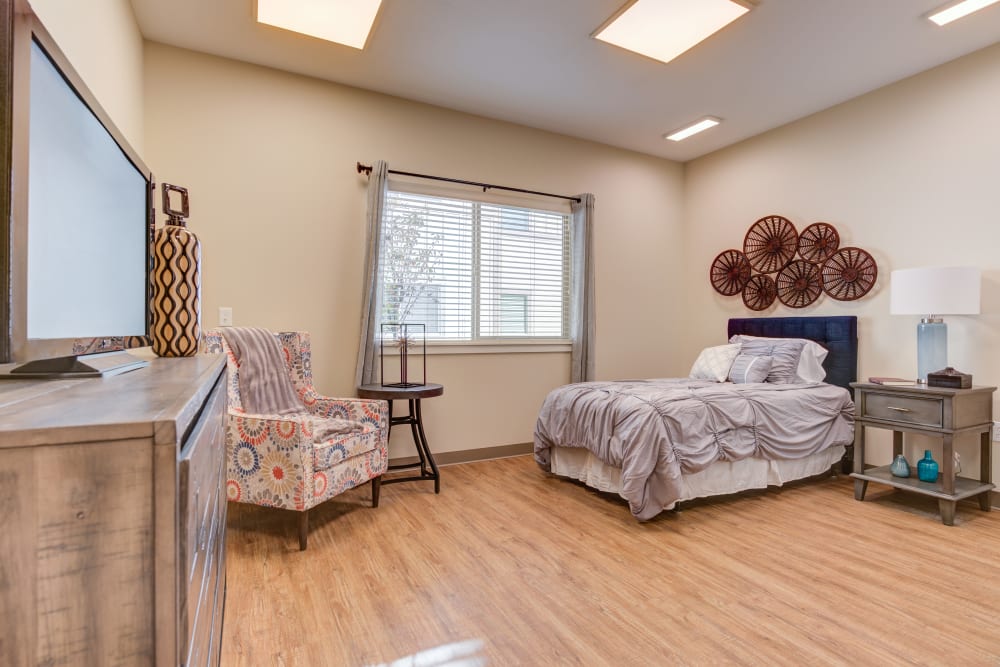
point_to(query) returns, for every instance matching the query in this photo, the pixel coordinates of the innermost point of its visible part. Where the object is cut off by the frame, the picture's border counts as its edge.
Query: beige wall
(908, 172)
(270, 157)
(103, 42)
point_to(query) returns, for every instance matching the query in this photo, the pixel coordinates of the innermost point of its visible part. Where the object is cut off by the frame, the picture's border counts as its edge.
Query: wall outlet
(225, 316)
(996, 431)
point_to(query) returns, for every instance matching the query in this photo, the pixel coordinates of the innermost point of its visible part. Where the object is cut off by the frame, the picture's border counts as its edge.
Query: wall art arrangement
(778, 262)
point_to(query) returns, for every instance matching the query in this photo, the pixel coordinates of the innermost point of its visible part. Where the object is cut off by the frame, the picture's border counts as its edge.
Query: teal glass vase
(900, 467)
(927, 468)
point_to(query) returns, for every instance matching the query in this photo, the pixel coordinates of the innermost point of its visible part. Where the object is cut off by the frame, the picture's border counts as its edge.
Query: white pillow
(810, 368)
(713, 363)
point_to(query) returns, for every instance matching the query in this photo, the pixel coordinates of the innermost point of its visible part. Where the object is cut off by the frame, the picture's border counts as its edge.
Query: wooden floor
(547, 572)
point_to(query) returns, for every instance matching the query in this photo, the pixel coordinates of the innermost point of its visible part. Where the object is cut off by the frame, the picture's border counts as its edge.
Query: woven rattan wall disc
(770, 243)
(730, 272)
(799, 284)
(849, 274)
(759, 292)
(818, 241)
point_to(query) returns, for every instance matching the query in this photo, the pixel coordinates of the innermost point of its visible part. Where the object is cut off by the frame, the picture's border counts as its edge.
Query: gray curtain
(582, 296)
(367, 370)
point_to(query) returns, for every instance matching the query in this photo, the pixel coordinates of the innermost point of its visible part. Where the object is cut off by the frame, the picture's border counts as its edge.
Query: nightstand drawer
(904, 409)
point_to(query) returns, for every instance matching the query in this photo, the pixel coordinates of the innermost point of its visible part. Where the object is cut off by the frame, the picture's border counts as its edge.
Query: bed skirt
(720, 478)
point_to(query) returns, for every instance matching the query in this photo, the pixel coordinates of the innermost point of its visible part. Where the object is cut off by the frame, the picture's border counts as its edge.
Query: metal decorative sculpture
(849, 274)
(730, 272)
(759, 292)
(818, 241)
(770, 247)
(799, 284)
(404, 336)
(771, 243)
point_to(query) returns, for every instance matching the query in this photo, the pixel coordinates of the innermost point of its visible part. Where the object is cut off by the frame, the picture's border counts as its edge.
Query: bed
(662, 441)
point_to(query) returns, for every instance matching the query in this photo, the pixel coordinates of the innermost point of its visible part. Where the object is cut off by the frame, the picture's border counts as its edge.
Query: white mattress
(719, 478)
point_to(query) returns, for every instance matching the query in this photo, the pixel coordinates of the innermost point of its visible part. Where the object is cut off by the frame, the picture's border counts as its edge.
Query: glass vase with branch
(411, 255)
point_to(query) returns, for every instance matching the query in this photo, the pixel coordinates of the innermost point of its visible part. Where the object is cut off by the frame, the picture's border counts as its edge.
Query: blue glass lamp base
(932, 347)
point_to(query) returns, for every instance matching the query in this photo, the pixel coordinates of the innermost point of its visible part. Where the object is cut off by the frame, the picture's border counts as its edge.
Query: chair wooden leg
(303, 529)
(376, 488)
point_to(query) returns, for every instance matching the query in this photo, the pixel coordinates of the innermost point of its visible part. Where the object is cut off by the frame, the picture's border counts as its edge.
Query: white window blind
(470, 270)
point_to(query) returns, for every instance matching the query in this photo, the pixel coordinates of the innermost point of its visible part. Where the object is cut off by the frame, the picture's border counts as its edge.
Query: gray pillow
(747, 368)
(786, 355)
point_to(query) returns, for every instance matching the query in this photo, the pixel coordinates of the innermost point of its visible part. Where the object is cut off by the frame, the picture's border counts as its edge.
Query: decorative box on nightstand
(949, 377)
(934, 411)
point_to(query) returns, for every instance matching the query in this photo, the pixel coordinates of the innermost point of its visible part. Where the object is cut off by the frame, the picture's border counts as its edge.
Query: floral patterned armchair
(273, 460)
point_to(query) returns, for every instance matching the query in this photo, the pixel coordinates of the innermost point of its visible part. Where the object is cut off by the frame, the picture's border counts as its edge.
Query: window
(473, 271)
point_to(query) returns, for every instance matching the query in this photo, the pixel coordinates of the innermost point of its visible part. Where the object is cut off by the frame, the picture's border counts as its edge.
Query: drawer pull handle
(891, 407)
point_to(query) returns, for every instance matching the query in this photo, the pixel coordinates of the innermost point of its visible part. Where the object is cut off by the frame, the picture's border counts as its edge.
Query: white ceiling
(533, 62)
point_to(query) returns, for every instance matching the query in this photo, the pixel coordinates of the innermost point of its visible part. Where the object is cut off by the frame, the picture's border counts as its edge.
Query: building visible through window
(513, 314)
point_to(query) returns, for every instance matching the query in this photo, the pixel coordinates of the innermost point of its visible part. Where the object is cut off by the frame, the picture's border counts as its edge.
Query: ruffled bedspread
(657, 430)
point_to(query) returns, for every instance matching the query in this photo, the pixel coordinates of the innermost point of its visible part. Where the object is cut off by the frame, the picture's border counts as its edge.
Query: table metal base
(428, 469)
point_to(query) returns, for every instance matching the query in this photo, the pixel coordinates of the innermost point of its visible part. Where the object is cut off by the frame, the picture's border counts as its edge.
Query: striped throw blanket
(265, 386)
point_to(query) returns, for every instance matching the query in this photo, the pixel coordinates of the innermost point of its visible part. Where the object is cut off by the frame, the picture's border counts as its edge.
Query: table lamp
(933, 292)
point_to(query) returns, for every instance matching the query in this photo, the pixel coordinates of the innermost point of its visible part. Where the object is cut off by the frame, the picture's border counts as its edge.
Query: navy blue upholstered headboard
(838, 334)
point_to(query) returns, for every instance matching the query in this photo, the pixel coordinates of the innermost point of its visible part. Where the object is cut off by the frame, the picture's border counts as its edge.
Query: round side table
(428, 469)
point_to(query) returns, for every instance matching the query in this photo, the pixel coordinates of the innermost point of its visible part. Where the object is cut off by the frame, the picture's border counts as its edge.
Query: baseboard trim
(471, 455)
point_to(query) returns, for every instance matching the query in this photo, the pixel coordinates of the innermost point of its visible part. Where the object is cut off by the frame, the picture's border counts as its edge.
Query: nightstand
(934, 411)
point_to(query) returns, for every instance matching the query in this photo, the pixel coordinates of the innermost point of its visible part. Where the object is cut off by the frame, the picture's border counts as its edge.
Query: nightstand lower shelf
(964, 487)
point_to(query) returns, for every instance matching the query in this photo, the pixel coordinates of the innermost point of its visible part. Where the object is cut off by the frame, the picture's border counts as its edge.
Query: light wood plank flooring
(548, 572)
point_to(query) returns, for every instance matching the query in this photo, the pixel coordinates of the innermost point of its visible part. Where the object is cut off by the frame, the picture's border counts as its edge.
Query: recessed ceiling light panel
(664, 29)
(693, 128)
(345, 22)
(958, 10)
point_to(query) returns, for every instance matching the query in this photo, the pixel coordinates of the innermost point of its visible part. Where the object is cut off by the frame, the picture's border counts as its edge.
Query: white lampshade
(935, 291)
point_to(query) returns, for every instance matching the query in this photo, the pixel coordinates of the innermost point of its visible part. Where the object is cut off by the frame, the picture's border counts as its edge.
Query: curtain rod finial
(362, 169)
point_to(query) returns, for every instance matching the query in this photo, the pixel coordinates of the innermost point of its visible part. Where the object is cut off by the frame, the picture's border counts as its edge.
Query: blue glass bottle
(927, 468)
(900, 467)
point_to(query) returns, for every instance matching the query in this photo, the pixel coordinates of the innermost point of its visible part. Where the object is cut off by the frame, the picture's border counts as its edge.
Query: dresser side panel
(95, 552)
(18, 564)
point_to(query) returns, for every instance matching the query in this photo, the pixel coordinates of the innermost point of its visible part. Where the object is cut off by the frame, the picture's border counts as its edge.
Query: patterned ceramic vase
(175, 326)
(927, 468)
(900, 467)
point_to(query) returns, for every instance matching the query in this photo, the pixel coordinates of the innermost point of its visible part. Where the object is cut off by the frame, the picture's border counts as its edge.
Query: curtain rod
(367, 170)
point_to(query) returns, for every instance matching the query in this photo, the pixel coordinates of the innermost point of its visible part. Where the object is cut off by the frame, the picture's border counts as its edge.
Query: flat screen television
(82, 219)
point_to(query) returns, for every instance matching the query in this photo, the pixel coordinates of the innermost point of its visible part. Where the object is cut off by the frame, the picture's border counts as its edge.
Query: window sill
(487, 347)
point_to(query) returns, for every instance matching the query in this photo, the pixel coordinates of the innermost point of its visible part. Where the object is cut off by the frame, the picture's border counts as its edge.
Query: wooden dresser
(112, 517)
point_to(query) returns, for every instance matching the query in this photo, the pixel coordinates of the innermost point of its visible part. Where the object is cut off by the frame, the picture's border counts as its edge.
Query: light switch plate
(225, 316)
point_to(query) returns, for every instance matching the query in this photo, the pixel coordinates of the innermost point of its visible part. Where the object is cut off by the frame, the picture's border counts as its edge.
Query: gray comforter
(657, 430)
